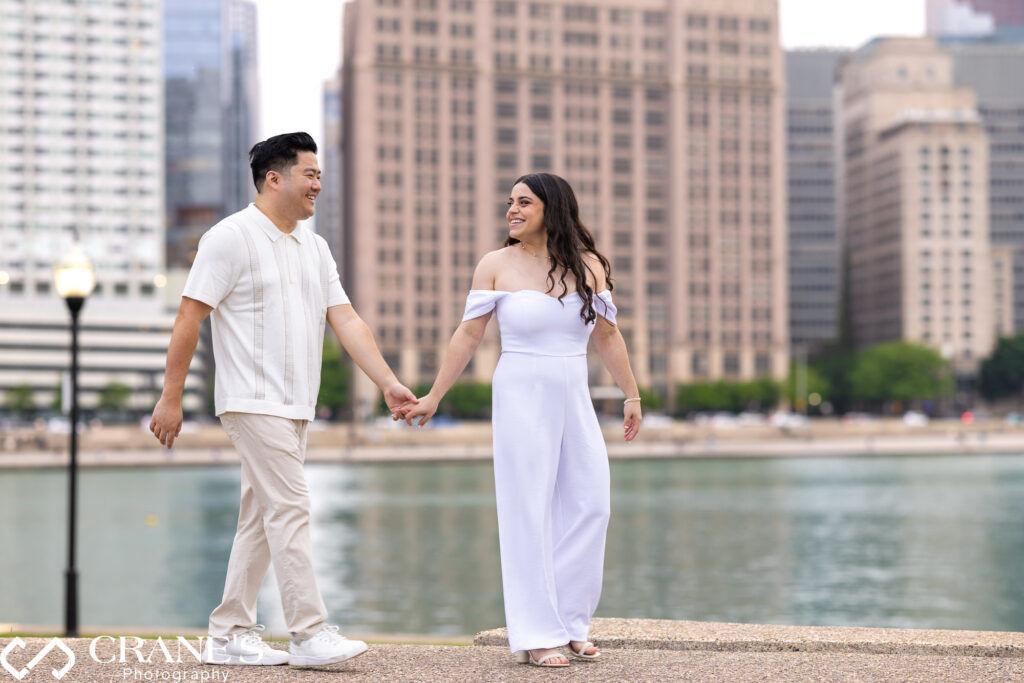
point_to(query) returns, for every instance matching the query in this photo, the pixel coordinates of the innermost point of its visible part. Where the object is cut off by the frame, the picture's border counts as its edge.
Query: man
(271, 286)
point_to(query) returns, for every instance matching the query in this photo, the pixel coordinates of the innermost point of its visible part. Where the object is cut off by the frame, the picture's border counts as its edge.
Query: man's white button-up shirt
(270, 292)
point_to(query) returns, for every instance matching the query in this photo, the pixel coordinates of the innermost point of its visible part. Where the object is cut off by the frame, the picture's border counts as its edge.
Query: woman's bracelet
(631, 399)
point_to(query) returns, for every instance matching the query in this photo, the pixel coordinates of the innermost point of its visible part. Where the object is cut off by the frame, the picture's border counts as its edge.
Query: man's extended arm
(356, 337)
(167, 415)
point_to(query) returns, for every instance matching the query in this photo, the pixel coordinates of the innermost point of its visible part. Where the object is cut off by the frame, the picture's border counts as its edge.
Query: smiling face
(300, 185)
(525, 215)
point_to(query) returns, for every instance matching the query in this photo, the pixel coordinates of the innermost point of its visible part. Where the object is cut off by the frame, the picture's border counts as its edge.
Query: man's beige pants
(273, 525)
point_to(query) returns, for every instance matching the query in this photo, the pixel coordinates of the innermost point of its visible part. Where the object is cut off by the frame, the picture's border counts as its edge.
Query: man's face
(301, 185)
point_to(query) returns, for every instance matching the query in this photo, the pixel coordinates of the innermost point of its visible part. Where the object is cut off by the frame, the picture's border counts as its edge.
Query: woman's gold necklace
(532, 254)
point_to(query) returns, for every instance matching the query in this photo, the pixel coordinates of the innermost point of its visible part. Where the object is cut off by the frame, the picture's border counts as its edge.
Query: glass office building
(210, 116)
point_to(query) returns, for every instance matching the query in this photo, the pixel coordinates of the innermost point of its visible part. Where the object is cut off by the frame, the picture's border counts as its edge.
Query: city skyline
(291, 79)
(624, 98)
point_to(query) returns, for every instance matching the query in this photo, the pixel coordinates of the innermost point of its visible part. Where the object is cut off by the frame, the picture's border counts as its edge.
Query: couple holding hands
(272, 286)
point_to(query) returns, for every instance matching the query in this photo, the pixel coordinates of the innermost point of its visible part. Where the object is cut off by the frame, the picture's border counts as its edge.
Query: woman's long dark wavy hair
(568, 238)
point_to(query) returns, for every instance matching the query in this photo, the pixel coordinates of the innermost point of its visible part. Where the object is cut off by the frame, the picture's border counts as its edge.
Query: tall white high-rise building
(81, 149)
(914, 204)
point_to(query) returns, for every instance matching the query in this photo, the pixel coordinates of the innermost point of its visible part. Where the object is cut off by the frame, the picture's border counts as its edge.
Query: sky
(299, 50)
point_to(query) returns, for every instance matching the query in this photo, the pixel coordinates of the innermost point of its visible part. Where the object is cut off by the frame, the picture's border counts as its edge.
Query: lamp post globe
(74, 279)
(74, 276)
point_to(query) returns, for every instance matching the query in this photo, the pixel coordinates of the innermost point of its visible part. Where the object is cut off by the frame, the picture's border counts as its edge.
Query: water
(924, 542)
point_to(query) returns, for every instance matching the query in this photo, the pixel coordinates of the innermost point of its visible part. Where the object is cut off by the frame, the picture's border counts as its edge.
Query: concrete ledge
(663, 634)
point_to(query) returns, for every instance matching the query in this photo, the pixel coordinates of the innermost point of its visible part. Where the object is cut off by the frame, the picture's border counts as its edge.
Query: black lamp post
(74, 279)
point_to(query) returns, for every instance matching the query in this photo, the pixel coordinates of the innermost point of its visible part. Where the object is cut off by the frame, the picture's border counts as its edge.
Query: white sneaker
(245, 648)
(326, 647)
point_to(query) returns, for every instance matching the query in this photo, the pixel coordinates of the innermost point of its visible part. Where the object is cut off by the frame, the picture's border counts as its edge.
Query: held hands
(424, 408)
(166, 421)
(398, 398)
(632, 417)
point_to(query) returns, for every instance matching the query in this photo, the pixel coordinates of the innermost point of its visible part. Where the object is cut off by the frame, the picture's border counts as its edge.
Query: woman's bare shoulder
(488, 267)
(494, 258)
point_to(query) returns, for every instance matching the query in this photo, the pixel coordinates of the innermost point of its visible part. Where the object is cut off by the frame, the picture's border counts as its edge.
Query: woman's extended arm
(612, 349)
(463, 343)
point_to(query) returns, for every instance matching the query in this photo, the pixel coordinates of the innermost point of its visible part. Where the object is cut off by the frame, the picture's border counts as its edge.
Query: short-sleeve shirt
(270, 292)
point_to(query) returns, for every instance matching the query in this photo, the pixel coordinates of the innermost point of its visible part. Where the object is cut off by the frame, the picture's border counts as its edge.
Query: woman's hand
(632, 419)
(424, 410)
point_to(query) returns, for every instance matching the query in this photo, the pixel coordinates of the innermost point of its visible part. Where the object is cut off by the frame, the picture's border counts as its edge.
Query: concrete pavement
(438, 663)
(633, 650)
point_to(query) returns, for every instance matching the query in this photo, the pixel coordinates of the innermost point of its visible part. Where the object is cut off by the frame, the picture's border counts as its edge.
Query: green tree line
(869, 379)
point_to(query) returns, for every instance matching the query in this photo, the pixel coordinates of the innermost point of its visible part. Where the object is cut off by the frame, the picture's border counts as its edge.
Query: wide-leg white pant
(552, 487)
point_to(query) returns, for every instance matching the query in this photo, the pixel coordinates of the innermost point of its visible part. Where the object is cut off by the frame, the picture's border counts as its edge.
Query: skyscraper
(990, 66)
(82, 152)
(242, 110)
(210, 116)
(668, 120)
(328, 214)
(813, 240)
(914, 202)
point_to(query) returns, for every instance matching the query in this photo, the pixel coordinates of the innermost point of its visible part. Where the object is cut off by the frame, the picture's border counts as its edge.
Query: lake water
(924, 542)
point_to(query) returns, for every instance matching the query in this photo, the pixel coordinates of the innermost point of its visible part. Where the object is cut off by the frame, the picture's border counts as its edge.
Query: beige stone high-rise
(667, 118)
(914, 208)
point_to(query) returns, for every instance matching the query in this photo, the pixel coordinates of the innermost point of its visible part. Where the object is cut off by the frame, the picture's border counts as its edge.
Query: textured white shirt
(270, 292)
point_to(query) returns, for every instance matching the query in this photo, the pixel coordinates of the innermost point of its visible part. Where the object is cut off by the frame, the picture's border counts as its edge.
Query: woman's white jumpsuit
(550, 465)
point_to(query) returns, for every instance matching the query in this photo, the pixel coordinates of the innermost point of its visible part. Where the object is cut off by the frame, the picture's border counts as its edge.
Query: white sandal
(526, 657)
(582, 654)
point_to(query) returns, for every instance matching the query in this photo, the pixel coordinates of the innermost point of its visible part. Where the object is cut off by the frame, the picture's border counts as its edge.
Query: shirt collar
(269, 229)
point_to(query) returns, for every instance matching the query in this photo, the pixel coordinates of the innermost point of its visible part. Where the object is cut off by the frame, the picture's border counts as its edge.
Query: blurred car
(858, 418)
(657, 421)
(913, 418)
(788, 420)
(749, 419)
(724, 421)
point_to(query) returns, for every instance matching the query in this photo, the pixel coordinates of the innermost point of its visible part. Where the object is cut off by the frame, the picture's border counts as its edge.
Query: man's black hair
(277, 154)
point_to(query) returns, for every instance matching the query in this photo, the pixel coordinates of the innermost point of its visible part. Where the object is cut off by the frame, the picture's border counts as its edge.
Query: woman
(551, 289)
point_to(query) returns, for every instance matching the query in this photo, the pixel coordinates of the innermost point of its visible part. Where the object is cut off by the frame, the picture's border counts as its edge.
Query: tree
(834, 367)
(1002, 373)
(335, 381)
(115, 397)
(20, 399)
(468, 401)
(735, 397)
(702, 396)
(57, 405)
(650, 399)
(899, 371)
(816, 383)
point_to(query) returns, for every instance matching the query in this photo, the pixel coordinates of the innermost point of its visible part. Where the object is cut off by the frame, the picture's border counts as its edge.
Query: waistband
(545, 355)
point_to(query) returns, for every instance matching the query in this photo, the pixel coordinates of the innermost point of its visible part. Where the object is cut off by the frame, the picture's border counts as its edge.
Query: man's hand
(396, 396)
(166, 421)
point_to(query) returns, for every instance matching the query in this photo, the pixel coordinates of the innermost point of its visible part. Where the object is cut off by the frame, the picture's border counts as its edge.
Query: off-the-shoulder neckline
(535, 291)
